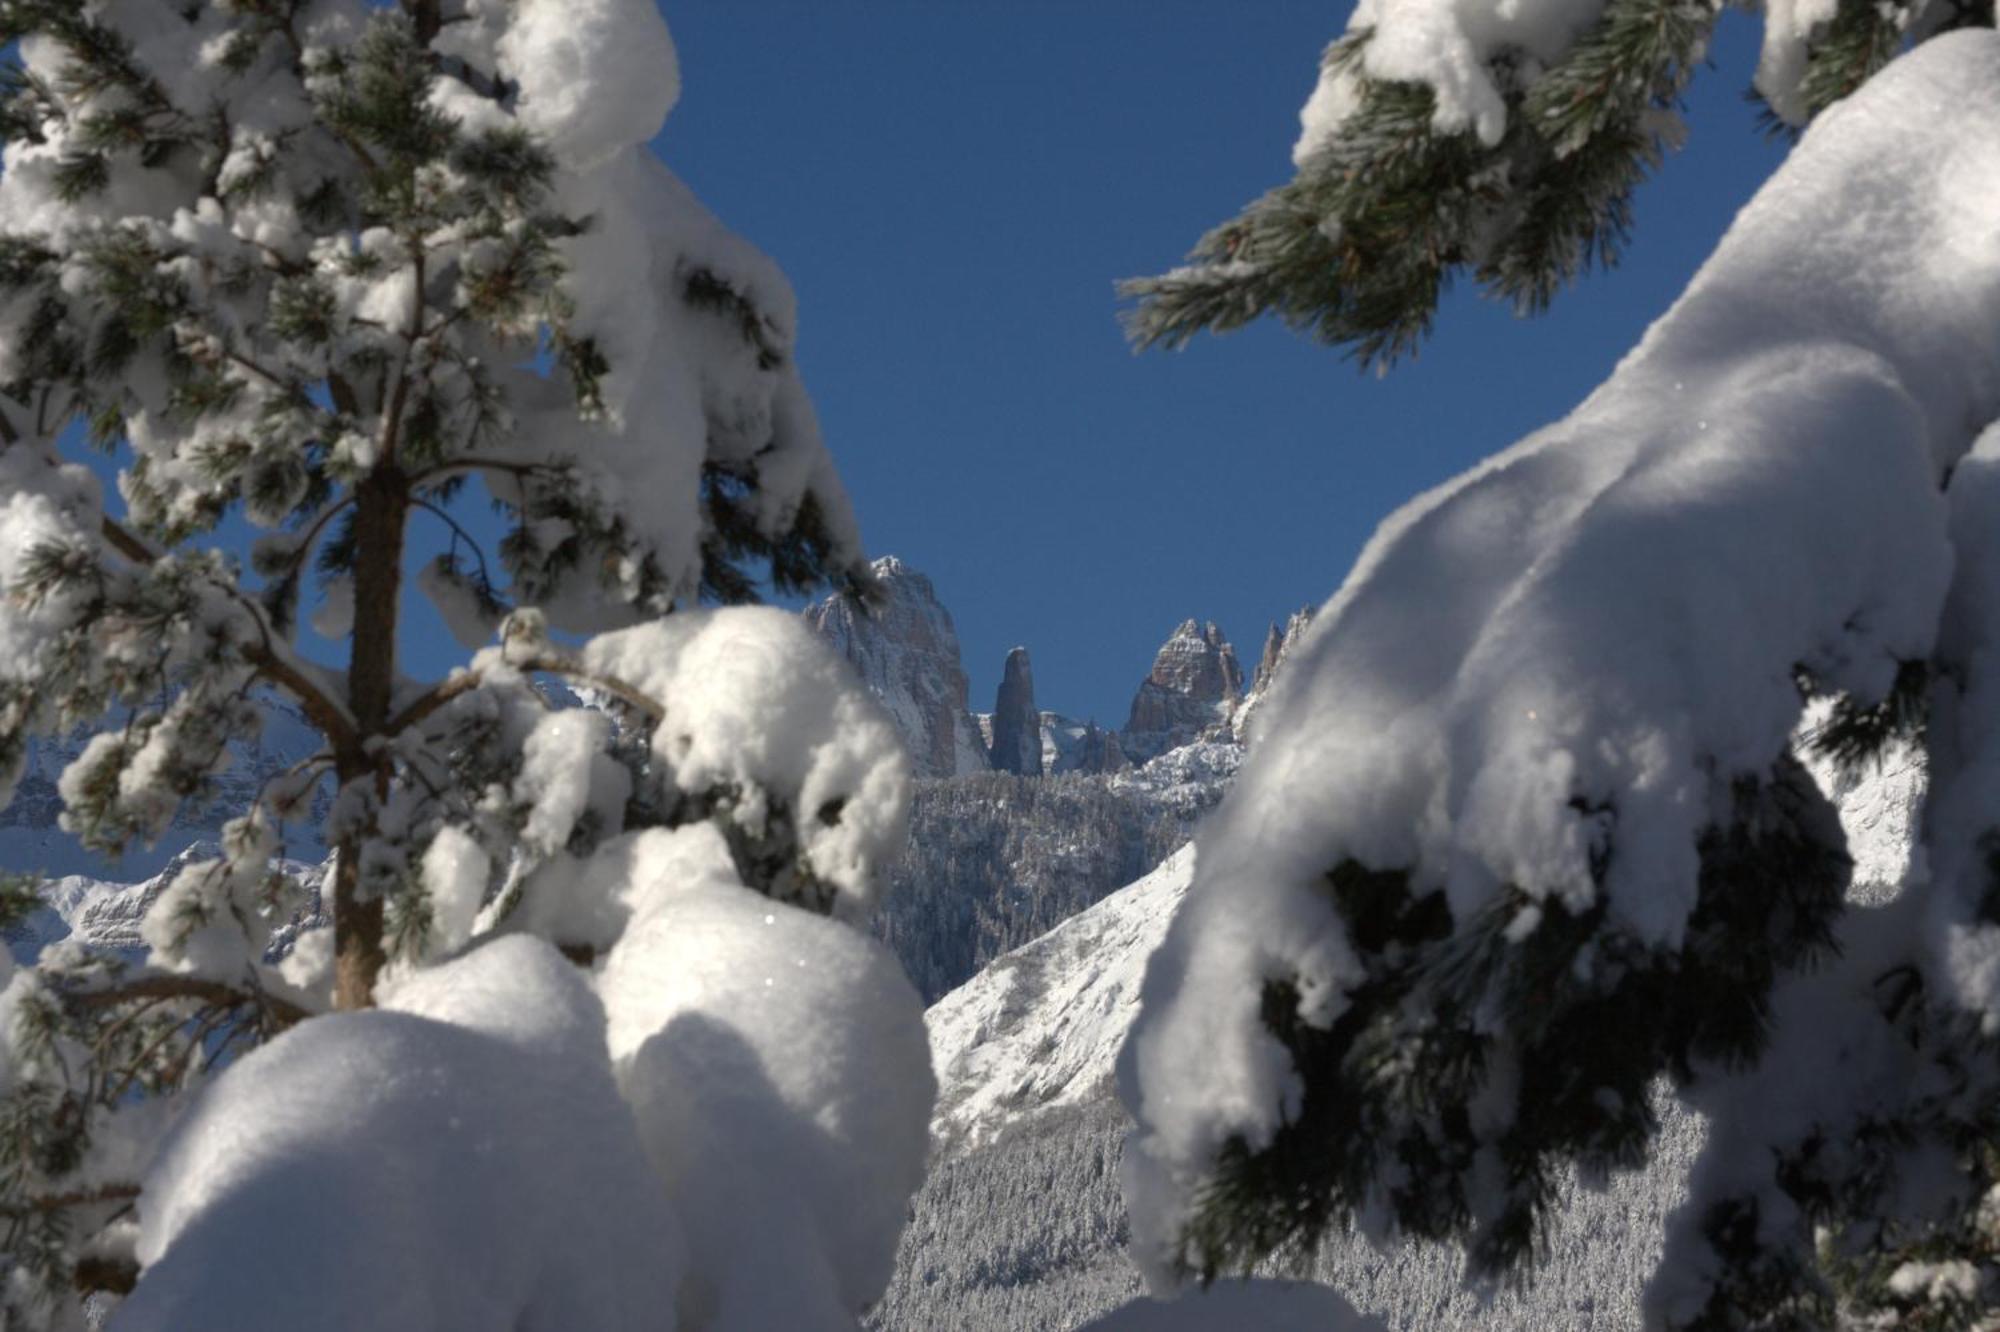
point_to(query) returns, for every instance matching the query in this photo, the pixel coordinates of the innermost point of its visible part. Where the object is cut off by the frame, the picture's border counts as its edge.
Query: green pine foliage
(1357, 249)
(1884, 1219)
(1575, 1020)
(191, 310)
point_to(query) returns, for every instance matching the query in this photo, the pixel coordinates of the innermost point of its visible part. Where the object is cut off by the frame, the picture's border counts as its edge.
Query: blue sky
(954, 185)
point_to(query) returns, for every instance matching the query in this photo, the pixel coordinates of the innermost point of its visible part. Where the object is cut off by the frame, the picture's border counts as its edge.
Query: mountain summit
(906, 649)
(1194, 687)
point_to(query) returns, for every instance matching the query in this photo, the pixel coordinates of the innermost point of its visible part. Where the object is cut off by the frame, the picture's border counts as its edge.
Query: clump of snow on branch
(774, 728)
(1449, 45)
(778, 1067)
(696, 324)
(1471, 54)
(1545, 676)
(346, 1174)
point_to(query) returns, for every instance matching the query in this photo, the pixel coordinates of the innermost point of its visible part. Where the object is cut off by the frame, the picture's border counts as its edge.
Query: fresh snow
(461, 1165)
(775, 1062)
(1609, 614)
(1455, 46)
(1041, 1026)
(1265, 1305)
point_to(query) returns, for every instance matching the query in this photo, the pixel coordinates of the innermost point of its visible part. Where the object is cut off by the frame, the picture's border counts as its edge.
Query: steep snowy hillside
(1040, 1028)
(997, 860)
(1022, 1223)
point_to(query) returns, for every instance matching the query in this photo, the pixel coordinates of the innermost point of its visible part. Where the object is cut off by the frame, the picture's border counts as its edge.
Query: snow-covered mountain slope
(1022, 1222)
(106, 913)
(31, 840)
(1040, 1028)
(997, 860)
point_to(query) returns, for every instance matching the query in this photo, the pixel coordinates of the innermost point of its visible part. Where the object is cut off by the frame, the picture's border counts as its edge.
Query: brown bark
(382, 505)
(427, 16)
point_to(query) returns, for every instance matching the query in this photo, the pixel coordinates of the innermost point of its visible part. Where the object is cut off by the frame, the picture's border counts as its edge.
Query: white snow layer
(1610, 612)
(1040, 1027)
(1260, 1304)
(777, 1065)
(1448, 44)
(342, 1176)
(1965, 745)
(756, 704)
(770, 1068)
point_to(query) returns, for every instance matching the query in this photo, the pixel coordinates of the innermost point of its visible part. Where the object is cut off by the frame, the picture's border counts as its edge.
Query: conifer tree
(340, 270)
(1519, 176)
(1527, 837)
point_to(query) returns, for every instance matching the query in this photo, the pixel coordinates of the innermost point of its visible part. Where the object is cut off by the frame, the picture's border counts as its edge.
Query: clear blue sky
(954, 185)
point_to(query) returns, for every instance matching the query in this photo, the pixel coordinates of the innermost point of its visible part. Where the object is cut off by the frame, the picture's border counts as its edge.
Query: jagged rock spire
(1193, 687)
(1017, 725)
(906, 650)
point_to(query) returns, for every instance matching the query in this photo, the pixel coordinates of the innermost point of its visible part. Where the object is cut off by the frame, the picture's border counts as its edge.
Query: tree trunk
(381, 508)
(427, 16)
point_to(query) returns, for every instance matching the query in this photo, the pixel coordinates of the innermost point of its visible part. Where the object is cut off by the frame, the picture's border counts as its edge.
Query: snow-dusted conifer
(1527, 836)
(333, 267)
(1501, 143)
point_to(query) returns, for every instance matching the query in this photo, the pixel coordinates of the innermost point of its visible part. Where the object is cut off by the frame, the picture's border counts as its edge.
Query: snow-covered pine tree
(1525, 838)
(1503, 146)
(336, 267)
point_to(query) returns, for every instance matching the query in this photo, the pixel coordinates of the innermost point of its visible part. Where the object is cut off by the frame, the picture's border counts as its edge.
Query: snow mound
(776, 1063)
(1547, 674)
(339, 1175)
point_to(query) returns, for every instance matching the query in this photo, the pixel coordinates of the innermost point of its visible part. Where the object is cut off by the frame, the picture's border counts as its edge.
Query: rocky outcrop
(1193, 690)
(906, 649)
(1017, 726)
(1069, 745)
(1278, 645)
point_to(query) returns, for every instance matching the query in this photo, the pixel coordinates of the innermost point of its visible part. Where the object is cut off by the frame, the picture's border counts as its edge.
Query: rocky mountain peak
(1192, 689)
(1017, 725)
(1278, 644)
(906, 650)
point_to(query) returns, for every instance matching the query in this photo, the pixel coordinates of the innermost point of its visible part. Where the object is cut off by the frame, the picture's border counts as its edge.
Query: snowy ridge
(1041, 1027)
(1023, 1223)
(105, 913)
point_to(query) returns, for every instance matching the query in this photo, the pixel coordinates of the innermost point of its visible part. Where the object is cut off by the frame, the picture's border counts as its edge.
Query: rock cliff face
(1069, 745)
(906, 650)
(1278, 645)
(1017, 726)
(1193, 689)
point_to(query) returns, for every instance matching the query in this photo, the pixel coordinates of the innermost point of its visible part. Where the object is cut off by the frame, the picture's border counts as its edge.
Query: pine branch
(545, 663)
(270, 660)
(172, 985)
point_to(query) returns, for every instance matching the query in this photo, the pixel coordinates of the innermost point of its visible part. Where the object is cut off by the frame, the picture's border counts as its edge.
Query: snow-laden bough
(1522, 829)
